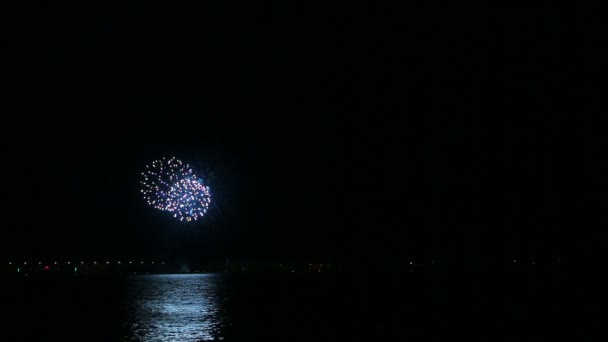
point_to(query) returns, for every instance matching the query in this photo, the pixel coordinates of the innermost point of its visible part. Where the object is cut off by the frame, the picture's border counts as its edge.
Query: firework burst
(158, 179)
(188, 199)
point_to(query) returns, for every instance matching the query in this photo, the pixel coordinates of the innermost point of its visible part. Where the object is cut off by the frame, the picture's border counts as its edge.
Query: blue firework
(188, 199)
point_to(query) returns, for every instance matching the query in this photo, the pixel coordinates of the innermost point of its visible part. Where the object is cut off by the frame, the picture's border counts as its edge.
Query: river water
(284, 307)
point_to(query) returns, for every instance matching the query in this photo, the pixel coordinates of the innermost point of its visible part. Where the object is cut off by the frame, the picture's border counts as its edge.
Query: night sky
(341, 134)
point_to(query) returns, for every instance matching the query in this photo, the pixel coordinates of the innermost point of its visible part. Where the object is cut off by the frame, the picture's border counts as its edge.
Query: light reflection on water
(184, 307)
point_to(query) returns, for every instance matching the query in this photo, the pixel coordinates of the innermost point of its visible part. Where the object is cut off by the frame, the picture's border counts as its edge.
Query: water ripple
(175, 307)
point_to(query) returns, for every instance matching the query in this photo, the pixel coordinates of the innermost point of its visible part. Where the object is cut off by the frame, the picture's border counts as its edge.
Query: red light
(46, 267)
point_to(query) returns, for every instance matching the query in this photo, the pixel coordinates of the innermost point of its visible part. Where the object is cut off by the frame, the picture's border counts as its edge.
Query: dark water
(351, 307)
(176, 307)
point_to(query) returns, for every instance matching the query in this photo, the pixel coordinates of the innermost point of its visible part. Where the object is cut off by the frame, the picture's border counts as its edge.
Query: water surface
(291, 307)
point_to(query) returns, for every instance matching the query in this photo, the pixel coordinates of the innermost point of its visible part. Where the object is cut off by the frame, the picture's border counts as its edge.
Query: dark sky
(333, 133)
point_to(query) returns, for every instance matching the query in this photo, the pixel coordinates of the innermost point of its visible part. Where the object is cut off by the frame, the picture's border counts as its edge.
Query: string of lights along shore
(171, 185)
